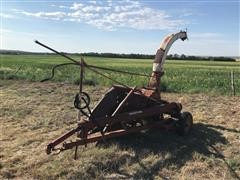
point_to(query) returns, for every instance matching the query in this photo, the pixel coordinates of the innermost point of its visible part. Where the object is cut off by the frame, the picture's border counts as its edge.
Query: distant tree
(135, 56)
(183, 57)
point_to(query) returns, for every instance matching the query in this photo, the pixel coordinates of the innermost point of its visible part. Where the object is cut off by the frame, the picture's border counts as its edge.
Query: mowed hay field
(33, 113)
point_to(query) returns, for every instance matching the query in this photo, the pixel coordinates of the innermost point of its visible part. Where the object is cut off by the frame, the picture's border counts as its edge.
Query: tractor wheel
(185, 124)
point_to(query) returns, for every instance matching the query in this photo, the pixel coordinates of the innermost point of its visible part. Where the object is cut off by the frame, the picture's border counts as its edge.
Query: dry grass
(32, 114)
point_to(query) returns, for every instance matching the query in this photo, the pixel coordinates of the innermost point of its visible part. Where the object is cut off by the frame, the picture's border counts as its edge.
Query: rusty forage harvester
(123, 109)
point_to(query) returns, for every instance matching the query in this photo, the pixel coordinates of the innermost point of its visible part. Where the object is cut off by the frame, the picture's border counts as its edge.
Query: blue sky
(127, 26)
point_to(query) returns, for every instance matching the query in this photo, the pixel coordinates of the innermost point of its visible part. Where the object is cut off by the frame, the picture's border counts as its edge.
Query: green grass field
(180, 76)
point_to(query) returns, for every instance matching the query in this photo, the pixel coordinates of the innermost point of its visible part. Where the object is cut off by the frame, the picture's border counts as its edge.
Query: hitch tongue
(53, 144)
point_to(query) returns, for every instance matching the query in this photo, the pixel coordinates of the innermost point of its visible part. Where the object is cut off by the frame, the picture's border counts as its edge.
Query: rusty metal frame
(172, 109)
(121, 110)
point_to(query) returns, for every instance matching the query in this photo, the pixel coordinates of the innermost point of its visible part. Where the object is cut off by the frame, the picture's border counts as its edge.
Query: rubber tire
(185, 126)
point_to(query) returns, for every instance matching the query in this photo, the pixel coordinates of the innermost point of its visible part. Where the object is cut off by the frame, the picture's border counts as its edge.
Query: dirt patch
(32, 114)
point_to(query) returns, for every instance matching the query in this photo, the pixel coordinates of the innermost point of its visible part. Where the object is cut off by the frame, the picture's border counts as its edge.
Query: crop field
(33, 113)
(180, 76)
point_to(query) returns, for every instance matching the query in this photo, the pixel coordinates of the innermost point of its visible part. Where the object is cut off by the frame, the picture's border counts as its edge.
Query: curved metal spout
(161, 56)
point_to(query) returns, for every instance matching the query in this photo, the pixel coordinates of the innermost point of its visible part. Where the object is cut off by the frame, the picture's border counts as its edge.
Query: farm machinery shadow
(200, 140)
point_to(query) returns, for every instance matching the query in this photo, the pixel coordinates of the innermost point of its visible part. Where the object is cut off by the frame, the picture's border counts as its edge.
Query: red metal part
(117, 113)
(125, 110)
(98, 136)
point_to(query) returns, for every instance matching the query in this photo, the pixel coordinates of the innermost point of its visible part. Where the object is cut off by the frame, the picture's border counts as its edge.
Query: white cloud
(112, 15)
(76, 6)
(45, 15)
(63, 7)
(7, 16)
(95, 9)
(185, 14)
(93, 2)
(81, 16)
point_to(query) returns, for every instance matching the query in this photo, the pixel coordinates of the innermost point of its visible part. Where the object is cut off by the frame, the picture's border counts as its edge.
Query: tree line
(128, 56)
